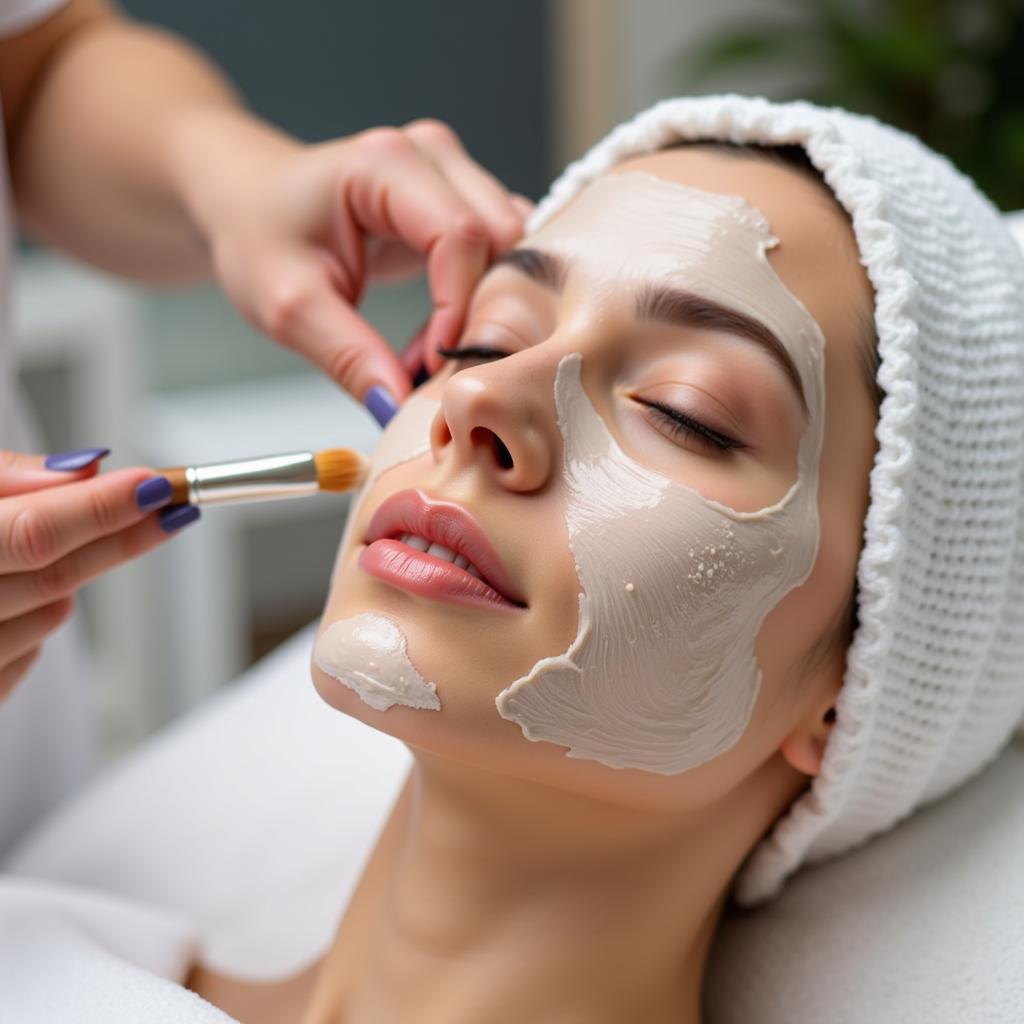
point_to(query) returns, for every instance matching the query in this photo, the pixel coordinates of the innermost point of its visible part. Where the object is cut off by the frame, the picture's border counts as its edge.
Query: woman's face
(618, 427)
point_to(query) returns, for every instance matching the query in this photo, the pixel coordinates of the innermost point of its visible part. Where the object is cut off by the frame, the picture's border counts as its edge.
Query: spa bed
(238, 834)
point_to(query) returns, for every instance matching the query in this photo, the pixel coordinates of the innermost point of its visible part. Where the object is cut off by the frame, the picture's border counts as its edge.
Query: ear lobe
(804, 747)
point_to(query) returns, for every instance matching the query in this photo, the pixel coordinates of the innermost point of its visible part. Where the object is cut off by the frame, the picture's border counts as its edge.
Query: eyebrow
(544, 268)
(686, 309)
(663, 304)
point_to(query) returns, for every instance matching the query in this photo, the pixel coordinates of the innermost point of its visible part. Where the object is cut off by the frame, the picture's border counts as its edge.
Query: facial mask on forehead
(367, 652)
(662, 675)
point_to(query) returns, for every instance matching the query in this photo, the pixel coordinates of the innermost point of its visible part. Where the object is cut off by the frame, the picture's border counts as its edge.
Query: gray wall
(322, 70)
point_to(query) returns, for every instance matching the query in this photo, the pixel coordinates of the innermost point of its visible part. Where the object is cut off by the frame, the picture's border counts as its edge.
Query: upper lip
(447, 524)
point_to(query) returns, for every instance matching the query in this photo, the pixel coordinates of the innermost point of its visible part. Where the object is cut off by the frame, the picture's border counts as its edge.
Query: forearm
(114, 144)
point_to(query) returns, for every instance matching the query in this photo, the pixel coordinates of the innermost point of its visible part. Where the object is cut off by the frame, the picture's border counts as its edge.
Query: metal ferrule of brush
(277, 476)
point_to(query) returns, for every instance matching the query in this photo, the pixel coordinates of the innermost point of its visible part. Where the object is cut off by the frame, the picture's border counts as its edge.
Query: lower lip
(426, 576)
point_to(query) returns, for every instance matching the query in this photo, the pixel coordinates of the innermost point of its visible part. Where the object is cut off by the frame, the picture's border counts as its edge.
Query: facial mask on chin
(368, 652)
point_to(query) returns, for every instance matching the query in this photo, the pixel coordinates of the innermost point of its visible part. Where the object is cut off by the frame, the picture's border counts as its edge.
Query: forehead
(666, 245)
(816, 258)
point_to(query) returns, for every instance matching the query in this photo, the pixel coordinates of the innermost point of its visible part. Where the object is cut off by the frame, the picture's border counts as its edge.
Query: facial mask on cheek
(662, 674)
(367, 652)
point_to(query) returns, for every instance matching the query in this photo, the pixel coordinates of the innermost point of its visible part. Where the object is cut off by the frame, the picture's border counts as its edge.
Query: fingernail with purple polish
(173, 519)
(69, 462)
(153, 493)
(381, 403)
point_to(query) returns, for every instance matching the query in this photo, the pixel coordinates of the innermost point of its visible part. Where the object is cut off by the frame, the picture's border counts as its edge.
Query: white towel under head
(933, 687)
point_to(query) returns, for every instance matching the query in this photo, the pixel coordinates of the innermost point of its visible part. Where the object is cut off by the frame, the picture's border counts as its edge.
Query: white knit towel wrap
(934, 684)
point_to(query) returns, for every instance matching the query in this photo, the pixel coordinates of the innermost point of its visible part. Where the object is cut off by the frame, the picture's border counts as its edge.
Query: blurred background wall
(166, 377)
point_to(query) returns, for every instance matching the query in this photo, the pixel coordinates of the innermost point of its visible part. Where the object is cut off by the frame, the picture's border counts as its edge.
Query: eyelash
(471, 352)
(678, 423)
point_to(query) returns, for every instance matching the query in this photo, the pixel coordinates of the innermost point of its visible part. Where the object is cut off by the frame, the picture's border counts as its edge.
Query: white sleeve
(18, 15)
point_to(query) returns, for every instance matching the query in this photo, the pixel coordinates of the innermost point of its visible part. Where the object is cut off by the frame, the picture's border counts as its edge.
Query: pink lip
(451, 526)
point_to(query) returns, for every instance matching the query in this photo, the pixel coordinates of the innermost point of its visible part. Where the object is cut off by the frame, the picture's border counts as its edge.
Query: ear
(804, 747)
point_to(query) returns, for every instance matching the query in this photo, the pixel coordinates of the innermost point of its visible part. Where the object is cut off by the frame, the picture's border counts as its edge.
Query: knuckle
(432, 132)
(56, 579)
(104, 512)
(343, 365)
(32, 539)
(285, 301)
(8, 459)
(468, 229)
(386, 142)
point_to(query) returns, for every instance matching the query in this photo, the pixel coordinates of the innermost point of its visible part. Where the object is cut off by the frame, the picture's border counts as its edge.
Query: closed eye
(466, 352)
(678, 424)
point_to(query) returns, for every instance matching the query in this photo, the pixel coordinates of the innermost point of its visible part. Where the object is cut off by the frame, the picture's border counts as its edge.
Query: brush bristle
(340, 469)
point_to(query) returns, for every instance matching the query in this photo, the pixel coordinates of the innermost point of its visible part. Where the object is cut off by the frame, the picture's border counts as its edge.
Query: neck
(490, 898)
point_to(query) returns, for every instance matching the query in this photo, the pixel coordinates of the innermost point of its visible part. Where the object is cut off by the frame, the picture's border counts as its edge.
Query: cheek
(792, 629)
(803, 617)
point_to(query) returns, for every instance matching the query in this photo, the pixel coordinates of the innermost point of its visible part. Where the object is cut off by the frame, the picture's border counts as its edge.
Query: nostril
(488, 439)
(503, 454)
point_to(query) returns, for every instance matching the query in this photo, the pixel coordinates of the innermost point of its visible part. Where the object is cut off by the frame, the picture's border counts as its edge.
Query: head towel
(934, 682)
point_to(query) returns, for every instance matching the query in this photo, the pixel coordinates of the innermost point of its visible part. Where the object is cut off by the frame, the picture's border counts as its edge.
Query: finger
(412, 356)
(314, 320)
(394, 191)
(21, 635)
(13, 673)
(488, 197)
(523, 205)
(452, 273)
(21, 473)
(24, 591)
(37, 529)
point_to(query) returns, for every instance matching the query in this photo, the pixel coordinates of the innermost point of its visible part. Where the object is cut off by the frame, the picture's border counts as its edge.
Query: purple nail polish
(381, 403)
(173, 519)
(69, 462)
(153, 493)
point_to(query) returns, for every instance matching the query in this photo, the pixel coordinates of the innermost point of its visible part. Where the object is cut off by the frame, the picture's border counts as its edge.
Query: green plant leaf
(741, 49)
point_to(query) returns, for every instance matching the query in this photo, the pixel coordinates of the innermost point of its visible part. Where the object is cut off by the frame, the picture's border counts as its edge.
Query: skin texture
(58, 531)
(602, 886)
(172, 180)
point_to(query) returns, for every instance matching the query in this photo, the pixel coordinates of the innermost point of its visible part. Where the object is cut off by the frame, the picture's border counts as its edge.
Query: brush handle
(273, 476)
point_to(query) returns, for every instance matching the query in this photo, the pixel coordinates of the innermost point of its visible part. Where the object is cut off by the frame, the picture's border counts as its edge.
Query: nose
(499, 422)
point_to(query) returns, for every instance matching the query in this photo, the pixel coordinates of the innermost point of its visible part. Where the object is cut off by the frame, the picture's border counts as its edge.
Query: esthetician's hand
(296, 233)
(61, 525)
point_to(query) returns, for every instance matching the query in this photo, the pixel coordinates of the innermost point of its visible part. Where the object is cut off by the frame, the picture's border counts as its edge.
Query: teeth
(440, 551)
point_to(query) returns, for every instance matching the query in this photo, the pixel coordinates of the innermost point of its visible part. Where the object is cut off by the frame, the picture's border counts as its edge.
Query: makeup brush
(267, 477)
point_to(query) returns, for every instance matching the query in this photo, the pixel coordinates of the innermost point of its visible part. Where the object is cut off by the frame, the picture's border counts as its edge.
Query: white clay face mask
(661, 675)
(368, 652)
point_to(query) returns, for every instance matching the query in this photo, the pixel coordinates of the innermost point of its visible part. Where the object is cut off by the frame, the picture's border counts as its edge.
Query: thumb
(21, 473)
